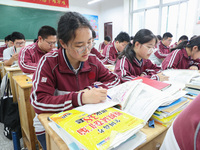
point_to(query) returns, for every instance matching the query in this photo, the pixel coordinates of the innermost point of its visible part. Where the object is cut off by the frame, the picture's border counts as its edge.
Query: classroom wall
(196, 29)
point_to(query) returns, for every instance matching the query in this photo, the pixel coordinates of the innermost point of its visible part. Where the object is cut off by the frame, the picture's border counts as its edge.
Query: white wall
(196, 27)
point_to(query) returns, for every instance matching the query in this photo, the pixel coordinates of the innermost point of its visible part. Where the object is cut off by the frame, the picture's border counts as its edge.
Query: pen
(96, 86)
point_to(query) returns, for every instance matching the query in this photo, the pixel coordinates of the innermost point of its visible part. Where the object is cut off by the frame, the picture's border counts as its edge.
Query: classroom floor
(5, 143)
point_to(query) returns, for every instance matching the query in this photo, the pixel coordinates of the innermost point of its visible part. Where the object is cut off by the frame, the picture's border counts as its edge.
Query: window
(138, 4)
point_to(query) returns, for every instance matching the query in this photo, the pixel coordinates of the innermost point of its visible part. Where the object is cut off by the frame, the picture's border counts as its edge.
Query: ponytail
(182, 45)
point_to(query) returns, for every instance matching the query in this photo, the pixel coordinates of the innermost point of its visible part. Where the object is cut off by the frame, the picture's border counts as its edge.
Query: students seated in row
(30, 55)
(102, 45)
(65, 78)
(184, 133)
(161, 49)
(10, 55)
(181, 39)
(94, 50)
(133, 61)
(8, 43)
(184, 56)
(112, 50)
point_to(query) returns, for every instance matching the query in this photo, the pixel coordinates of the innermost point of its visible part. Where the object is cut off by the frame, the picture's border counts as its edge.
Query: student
(184, 133)
(8, 43)
(65, 78)
(161, 49)
(112, 50)
(10, 55)
(184, 56)
(102, 45)
(94, 50)
(133, 61)
(181, 39)
(30, 55)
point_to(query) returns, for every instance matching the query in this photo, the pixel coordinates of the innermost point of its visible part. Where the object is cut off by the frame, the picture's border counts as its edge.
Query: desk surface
(8, 68)
(150, 132)
(23, 81)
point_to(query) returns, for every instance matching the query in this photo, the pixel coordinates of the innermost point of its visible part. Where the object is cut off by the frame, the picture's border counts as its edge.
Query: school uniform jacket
(162, 50)
(101, 46)
(127, 71)
(173, 45)
(178, 59)
(55, 84)
(98, 54)
(2, 48)
(29, 57)
(111, 53)
(185, 126)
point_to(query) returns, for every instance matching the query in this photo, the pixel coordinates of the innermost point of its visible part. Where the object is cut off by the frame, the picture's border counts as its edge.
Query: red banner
(58, 3)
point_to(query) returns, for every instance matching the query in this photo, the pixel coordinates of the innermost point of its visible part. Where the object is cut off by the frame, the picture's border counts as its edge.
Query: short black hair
(46, 31)
(35, 40)
(159, 37)
(7, 38)
(122, 36)
(183, 38)
(94, 34)
(107, 38)
(167, 35)
(69, 23)
(17, 36)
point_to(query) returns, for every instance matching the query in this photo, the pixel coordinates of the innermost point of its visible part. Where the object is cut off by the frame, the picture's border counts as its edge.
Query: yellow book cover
(99, 130)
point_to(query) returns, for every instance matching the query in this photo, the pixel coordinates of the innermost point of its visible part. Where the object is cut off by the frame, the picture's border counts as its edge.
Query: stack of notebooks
(114, 123)
(166, 114)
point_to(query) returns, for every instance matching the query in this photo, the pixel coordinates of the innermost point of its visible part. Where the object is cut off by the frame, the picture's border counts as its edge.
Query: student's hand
(162, 77)
(94, 95)
(142, 75)
(83, 90)
(194, 68)
(15, 56)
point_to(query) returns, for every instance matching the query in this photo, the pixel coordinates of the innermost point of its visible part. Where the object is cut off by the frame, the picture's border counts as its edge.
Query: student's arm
(172, 60)
(104, 77)
(161, 53)
(122, 69)
(10, 61)
(98, 54)
(108, 52)
(25, 61)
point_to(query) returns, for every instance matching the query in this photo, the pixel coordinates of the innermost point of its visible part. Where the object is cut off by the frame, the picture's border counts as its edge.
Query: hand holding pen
(94, 95)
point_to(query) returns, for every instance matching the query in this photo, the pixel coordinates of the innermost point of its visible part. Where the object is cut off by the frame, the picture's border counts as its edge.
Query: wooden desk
(1, 68)
(155, 136)
(23, 86)
(13, 71)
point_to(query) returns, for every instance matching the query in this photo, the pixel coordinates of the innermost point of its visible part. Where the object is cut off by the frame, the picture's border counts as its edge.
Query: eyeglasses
(51, 43)
(19, 43)
(150, 50)
(82, 49)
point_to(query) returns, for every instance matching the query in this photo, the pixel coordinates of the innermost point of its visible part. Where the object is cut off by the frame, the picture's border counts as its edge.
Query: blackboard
(26, 20)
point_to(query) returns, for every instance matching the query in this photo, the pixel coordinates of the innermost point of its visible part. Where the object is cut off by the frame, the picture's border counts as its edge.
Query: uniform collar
(136, 61)
(185, 53)
(38, 48)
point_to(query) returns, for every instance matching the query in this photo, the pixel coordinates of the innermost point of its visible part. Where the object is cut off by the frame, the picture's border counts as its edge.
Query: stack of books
(166, 114)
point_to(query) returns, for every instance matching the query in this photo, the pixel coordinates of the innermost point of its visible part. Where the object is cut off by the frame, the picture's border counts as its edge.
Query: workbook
(105, 129)
(136, 98)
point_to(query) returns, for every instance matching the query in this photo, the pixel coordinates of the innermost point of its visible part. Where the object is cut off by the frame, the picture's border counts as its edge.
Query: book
(105, 129)
(194, 83)
(154, 83)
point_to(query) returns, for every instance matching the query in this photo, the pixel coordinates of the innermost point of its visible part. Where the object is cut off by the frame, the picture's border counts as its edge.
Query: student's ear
(62, 44)
(195, 49)
(137, 44)
(40, 38)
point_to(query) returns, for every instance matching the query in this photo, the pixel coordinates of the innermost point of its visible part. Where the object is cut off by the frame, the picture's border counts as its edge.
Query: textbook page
(119, 94)
(180, 75)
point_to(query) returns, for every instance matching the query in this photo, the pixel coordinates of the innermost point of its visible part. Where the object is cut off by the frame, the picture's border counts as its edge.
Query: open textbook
(137, 99)
(105, 129)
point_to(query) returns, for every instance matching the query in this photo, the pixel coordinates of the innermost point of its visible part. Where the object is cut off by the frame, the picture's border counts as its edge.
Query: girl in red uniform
(184, 56)
(65, 78)
(134, 61)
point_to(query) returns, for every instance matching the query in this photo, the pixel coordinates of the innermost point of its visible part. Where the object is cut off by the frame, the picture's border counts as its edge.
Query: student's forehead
(19, 40)
(82, 34)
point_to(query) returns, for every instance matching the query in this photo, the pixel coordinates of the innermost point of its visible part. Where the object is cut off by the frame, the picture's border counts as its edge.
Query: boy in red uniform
(161, 49)
(181, 39)
(102, 45)
(30, 55)
(112, 50)
(8, 43)
(66, 78)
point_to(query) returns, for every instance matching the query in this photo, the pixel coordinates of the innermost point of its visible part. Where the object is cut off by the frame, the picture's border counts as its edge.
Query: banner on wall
(94, 23)
(58, 3)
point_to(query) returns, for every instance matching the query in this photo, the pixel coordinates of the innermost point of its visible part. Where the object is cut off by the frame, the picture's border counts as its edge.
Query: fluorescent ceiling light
(93, 1)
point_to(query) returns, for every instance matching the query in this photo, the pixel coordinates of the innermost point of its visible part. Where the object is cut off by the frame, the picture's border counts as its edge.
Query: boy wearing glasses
(10, 55)
(162, 49)
(30, 55)
(112, 50)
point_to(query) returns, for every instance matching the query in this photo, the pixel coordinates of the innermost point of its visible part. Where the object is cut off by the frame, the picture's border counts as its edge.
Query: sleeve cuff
(77, 99)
